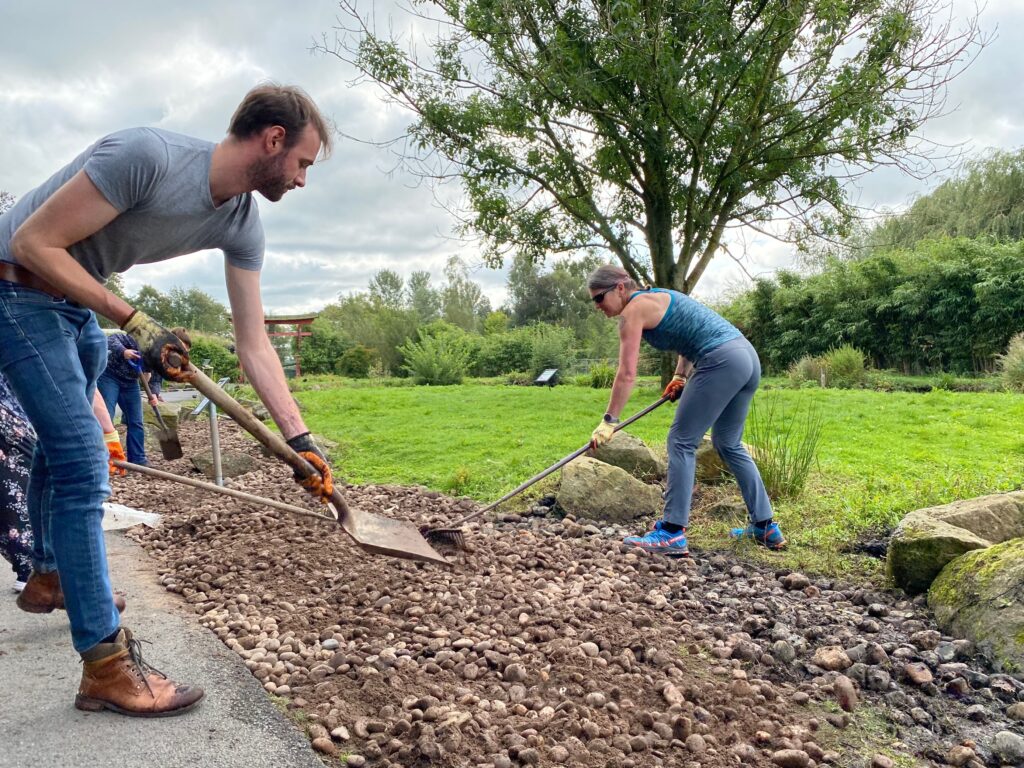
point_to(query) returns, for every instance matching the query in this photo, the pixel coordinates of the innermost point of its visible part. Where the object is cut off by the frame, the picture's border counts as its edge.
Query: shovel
(170, 446)
(373, 533)
(453, 535)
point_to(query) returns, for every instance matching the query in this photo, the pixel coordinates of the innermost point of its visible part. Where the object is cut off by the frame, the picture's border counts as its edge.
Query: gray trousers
(717, 397)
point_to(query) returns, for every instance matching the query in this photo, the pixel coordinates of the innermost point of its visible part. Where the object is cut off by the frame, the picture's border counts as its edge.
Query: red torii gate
(300, 323)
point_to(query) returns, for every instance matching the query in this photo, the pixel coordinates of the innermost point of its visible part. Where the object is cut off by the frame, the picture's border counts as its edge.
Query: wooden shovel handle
(273, 442)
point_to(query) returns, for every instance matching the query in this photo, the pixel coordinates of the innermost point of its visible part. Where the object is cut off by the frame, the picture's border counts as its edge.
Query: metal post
(218, 474)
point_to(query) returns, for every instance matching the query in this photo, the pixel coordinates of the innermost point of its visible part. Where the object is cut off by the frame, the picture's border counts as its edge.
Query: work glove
(321, 486)
(157, 344)
(603, 432)
(674, 389)
(116, 451)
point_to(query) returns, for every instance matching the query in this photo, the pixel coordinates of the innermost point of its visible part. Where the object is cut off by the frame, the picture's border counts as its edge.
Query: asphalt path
(236, 724)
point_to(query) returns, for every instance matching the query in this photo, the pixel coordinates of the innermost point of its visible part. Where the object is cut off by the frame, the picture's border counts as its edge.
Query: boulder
(980, 596)
(599, 491)
(997, 517)
(928, 538)
(232, 463)
(631, 454)
(169, 412)
(710, 466)
(922, 545)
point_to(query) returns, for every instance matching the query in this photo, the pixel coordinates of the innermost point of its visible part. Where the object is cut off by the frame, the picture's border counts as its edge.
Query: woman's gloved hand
(113, 443)
(604, 431)
(322, 485)
(674, 389)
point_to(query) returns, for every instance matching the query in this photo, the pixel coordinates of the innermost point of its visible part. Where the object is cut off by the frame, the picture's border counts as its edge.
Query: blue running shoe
(661, 541)
(768, 536)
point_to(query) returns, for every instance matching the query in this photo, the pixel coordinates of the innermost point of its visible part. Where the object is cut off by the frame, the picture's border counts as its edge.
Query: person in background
(724, 373)
(119, 387)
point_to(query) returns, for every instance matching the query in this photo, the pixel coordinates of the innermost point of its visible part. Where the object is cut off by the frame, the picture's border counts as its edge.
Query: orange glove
(322, 486)
(674, 389)
(116, 451)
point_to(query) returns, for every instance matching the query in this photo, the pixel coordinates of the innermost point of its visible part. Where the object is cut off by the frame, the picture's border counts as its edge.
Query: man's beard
(267, 177)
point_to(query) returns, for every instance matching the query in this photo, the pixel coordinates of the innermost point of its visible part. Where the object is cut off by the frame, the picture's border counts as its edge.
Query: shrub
(441, 359)
(504, 352)
(602, 375)
(552, 348)
(1011, 365)
(222, 362)
(806, 371)
(946, 382)
(519, 378)
(785, 446)
(844, 367)
(355, 362)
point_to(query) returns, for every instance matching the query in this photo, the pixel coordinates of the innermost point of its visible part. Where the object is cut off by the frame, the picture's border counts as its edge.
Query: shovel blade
(385, 536)
(170, 446)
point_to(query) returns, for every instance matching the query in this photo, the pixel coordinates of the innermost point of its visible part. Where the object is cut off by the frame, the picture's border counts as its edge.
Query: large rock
(631, 454)
(232, 463)
(922, 545)
(980, 596)
(169, 412)
(927, 539)
(711, 467)
(591, 488)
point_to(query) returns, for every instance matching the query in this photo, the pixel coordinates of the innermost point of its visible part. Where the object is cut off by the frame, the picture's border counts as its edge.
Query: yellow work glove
(603, 432)
(674, 389)
(116, 451)
(157, 344)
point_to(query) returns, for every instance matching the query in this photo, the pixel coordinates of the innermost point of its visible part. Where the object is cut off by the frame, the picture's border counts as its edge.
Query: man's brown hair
(285, 105)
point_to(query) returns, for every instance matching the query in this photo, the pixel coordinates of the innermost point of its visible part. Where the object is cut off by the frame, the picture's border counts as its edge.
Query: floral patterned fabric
(17, 442)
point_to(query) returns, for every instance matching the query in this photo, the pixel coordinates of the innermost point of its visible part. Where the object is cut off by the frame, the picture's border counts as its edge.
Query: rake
(453, 535)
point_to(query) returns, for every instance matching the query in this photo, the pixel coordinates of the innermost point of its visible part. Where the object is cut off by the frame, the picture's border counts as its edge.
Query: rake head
(453, 537)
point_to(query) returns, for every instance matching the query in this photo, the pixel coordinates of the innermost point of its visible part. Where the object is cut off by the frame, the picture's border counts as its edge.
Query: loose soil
(550, 643)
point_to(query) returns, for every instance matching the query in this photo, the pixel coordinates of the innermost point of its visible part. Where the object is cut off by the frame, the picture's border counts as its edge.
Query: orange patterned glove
(674, 389)
(321, 486)
(116, 452)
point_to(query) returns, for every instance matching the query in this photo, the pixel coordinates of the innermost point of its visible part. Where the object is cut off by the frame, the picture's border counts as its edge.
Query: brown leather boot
(42, 594)
(115, 677)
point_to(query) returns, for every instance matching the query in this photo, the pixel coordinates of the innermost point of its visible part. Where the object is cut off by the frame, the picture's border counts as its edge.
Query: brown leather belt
(15, 273)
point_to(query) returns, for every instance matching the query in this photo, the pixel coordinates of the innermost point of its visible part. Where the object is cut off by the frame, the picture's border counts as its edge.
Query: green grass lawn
(881, 454)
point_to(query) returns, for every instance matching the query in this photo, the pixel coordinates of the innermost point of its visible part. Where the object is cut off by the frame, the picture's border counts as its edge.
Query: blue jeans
(717, 397)
(52, 353)
(127, 395)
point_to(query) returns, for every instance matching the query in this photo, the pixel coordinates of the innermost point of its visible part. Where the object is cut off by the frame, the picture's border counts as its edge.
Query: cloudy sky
(71, 72)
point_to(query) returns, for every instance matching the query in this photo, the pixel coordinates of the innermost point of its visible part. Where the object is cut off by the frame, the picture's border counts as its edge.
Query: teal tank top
(688, 327)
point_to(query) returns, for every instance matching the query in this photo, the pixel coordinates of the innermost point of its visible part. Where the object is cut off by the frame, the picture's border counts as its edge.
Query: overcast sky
(71, 72)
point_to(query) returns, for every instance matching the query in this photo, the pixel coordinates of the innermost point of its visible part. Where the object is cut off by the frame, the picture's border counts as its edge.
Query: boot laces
(144, 667)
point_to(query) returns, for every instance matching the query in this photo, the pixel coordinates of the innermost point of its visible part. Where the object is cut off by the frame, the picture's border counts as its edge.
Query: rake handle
(555, 467)
(241, 495)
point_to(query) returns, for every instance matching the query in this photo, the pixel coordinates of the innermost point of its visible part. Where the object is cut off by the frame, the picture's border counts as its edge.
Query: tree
(387, 289)
(6, 200)
(423, 298)
(463, 303)
(197, 310)
(155, 304)
(647, 129)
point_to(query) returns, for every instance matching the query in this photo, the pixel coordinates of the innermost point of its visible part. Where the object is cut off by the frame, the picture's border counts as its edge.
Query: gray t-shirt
(160, 183)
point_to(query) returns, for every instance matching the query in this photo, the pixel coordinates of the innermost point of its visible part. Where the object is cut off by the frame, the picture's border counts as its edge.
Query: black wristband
(300, 443)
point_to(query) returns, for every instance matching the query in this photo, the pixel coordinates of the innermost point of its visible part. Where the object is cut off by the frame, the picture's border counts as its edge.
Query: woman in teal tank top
(724, 373)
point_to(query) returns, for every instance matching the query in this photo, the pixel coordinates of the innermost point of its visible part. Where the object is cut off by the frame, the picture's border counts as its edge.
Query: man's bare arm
(257, 355)
(74, 212)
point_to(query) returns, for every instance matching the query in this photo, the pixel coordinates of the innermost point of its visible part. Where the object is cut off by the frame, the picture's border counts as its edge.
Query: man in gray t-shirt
(136, 196)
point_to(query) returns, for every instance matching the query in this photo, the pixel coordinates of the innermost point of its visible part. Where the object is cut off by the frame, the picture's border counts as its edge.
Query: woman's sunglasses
(599, 297)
